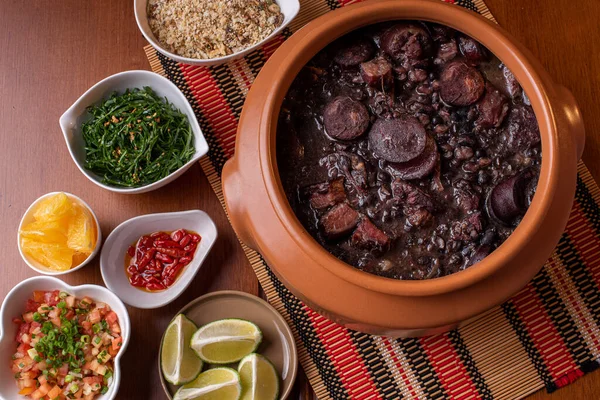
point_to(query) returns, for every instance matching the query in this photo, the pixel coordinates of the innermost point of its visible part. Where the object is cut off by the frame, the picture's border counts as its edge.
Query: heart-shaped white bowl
(14, 305)
(289, 9)
(28, 217)
(112, 257)
(76, 115)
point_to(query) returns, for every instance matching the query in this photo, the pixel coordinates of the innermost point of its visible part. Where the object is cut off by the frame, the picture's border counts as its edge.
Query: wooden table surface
(52, 51)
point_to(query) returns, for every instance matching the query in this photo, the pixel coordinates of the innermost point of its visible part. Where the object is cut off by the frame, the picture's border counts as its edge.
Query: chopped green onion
(69, 378)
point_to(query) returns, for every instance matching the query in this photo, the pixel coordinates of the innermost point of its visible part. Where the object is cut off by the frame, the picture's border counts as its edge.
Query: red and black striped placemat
(545, 336)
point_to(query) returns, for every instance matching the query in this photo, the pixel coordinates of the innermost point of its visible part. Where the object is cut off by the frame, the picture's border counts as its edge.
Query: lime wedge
(226, 341)
(260, 380)
(215, 384)
(179, 363)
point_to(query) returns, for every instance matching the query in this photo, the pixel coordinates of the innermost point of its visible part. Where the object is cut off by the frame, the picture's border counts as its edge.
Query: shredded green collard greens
(136, 138)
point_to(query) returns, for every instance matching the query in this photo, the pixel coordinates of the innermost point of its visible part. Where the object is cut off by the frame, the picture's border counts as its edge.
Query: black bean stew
(408, 150)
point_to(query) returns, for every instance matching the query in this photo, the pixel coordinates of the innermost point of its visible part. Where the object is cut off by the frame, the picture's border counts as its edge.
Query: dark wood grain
(51, 51)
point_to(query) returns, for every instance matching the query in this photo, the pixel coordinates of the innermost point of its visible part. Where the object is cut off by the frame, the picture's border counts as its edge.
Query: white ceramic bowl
(289, 9)
(112, 259)
(14, 305)
(76, 115)
(28, 217)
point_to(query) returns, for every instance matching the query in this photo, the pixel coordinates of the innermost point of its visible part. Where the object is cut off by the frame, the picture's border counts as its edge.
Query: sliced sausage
(406, 40)
(377, 73)
(327, 194)
(345, 119)
(339, 221)
(492, 108)
(397, 140)
(354, 51)
(460, 84)
(418, 167)
(368, 236)
(523, 129)
(508, 200)
(472, 50)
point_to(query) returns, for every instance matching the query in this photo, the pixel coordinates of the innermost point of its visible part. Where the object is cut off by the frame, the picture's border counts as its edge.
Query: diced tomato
(23, 347)
(28, 375)
(23, 328)
(42, 379)
(51, 298)
(95, 317)
(70, 300)
(85, 302)
(17, 321)
(64, 369)
(56, 321)
(33, 326)
(111, 317)
(45, 388)
(38, 295)
(112, 351)
(31, 306)
(70, 314)
(28, 317)
(116, 343)
(86, 326)
(54, 392)
(90, 380)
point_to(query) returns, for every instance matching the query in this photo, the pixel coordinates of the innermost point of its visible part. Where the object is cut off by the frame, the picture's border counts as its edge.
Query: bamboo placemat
(545, 336)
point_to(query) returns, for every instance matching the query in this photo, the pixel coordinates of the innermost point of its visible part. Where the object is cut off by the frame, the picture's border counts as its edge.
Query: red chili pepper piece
(178, 234)
(190, 248)
(155, 286)
(167, 243)
(136, 280)
(177, 253)
(163, 257)
(196, 238)
(158, 234)
(132, 269)
(175, 270)
(131, 251)
(146, 258)
(185, 260)
(185, 241)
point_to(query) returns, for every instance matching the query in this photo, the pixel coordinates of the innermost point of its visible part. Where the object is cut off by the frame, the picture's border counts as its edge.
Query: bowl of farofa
(211, 32)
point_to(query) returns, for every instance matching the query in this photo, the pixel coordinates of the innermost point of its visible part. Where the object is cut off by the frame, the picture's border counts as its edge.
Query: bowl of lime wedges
(228, 345)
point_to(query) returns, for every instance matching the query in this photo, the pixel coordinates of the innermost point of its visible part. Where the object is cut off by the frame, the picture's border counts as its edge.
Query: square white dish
(112, 257)
(76, 115)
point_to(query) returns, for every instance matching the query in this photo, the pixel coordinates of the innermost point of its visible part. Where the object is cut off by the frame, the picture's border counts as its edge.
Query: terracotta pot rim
(324, 31)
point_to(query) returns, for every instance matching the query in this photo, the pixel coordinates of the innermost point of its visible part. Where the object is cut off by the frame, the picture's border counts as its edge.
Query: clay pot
(263, 219)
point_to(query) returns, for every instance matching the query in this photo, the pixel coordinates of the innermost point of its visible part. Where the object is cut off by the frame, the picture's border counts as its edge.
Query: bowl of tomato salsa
(61, 341)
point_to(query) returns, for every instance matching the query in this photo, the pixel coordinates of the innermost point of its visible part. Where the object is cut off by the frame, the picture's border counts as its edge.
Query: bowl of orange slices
(59, 233)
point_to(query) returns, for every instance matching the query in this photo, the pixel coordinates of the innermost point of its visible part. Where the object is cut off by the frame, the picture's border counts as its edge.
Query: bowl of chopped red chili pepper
(148, 261)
